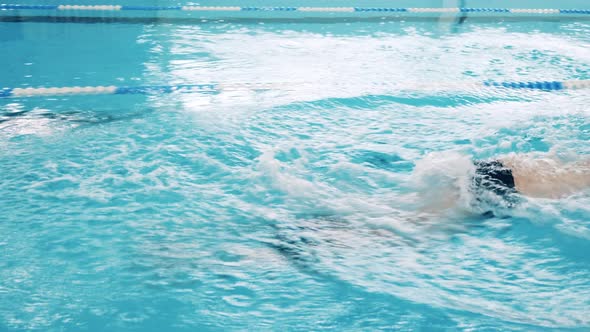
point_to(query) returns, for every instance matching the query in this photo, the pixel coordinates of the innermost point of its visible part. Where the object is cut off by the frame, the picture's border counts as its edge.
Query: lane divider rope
(65, 7)
(220, 87)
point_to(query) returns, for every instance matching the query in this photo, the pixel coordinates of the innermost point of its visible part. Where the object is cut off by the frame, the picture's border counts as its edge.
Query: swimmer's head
(442, 176)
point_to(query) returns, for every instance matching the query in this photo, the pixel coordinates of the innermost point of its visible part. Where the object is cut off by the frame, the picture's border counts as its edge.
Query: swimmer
(501, 181)
(447, 183)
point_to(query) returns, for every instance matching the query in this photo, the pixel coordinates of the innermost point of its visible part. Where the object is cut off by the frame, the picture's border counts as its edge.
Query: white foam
(442, 178)
(284, 181)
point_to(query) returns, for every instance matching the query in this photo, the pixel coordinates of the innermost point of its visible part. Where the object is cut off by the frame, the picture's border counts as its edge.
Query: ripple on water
(294, 209)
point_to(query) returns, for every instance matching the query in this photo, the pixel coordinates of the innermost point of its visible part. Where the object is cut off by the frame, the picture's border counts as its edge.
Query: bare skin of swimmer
(533, 177)
(547, 178)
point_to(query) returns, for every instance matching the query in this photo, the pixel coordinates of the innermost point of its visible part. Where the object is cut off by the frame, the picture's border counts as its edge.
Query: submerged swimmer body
(449, 185)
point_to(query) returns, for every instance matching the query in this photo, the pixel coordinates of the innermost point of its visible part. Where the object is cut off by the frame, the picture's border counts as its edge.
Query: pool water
(294, 208)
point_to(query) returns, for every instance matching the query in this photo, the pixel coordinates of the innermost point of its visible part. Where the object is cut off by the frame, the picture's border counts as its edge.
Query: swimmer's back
(547, 178)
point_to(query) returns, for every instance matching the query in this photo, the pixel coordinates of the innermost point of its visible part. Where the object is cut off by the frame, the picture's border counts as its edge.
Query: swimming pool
(290, 207)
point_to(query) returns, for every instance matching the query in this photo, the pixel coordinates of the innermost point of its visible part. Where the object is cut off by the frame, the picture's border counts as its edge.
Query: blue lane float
(27, 7)
(6, 92)
(392, 10)
(212, 88)
(547, 86)
(165, 89)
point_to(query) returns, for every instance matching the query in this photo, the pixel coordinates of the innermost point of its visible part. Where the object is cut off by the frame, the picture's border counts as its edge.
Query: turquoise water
(291, 209)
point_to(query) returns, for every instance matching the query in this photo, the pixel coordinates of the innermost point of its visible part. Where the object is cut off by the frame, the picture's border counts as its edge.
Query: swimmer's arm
(439, 203)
